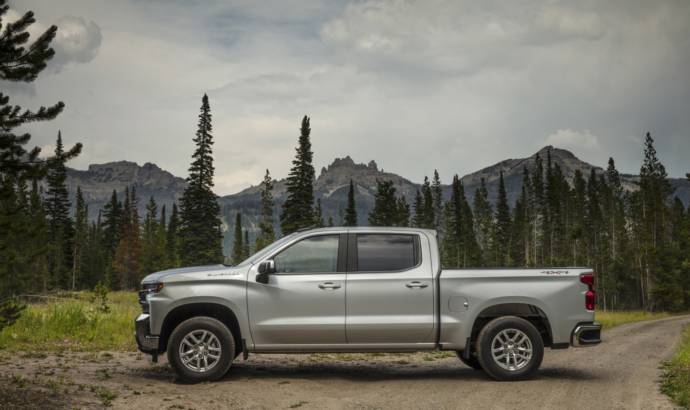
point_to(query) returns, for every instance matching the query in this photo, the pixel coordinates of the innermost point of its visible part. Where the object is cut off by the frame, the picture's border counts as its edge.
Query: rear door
(304, 301)
(389, 294)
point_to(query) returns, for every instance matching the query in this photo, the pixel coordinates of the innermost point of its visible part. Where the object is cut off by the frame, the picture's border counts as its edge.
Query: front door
(389, 290)
(304, 300)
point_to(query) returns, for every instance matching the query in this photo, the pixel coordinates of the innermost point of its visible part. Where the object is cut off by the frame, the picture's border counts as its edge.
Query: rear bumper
(586, 334)
(146, 342)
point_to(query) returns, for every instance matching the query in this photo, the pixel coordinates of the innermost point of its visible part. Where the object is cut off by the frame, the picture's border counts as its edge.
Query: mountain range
(331, 186)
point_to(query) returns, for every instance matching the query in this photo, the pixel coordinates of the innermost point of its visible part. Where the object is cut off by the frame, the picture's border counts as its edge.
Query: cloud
(460, 37)
(77, 40)
(452, 85)
(574, 140)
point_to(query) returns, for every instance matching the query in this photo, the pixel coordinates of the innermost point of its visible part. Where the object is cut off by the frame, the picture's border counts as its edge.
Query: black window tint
(385, 252)
(310, 255)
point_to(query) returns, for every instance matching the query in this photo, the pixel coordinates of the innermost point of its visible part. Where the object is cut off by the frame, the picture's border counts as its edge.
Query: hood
(158, 276)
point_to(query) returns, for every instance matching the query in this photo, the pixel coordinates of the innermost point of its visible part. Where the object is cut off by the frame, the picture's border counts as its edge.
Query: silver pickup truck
(363, 289)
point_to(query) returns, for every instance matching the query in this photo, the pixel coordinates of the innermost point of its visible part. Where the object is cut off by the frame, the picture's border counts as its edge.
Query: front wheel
(201, 349)
(510, 348)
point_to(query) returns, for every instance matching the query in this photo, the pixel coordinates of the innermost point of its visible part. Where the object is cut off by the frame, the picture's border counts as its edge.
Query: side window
(386, 252)
(317, 254)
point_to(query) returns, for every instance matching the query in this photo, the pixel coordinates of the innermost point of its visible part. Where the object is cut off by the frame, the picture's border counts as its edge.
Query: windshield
(265, 251)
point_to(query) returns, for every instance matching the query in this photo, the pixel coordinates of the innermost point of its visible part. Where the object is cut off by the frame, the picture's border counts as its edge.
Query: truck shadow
(364, 372)
(384, 372)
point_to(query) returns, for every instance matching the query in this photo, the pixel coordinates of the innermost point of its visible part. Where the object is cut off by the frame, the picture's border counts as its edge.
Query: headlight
(146, 290)
(152, 287)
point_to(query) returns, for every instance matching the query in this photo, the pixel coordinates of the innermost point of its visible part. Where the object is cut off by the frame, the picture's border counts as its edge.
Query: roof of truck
(368, 229)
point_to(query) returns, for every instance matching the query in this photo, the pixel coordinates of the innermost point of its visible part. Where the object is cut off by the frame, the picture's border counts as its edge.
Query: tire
(472, 361)
(205, 338)
(514, 336)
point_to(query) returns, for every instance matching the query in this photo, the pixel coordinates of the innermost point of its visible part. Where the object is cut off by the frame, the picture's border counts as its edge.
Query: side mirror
(266, 268)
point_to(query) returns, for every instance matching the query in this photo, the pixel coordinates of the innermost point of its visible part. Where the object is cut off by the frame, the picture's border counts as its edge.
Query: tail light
(590, 295)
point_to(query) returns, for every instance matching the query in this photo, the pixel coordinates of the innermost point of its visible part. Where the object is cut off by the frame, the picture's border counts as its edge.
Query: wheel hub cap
(200, 351)
(511, 349)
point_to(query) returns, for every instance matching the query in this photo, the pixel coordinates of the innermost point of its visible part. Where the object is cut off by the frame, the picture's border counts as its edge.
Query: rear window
(386, 252)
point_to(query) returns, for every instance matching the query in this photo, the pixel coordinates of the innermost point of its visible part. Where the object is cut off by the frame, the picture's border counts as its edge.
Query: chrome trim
(577, 338)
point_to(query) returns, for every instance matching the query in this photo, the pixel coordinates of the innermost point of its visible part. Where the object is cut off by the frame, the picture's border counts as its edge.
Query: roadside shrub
(675, 381)
(82, 323)
(10, 310)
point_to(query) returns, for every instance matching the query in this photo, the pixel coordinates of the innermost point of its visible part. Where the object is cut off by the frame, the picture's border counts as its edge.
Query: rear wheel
(471, 361)
(201, 349)
(510, 348)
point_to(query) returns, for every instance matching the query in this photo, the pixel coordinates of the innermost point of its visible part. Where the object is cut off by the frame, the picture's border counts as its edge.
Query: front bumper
(586, 334)
(146, 342)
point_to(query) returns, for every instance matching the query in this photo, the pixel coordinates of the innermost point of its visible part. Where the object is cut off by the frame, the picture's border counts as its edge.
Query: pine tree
(153, 240)
(502, 229)
(247, 249)
(450, 244)
(402, 212)
(238, 245)
(519, 231)
(577, 230)
(37, 248)
(483, 217)
(471, 254)
(20, 61)
(266, 231)
(652, 214)
(59, 223)
(614, 237)
(163, 221)
(385, 212)
(95, 257)
(351, 209)
(172, 247)
(126, 262)
(81, 232)
(558, 192)
(200, 225)
(112, 214)
(428, 215)
(437, 202)
(537, 207)
(460, 248)
(418, 217)
(298, 211)
(318, 214)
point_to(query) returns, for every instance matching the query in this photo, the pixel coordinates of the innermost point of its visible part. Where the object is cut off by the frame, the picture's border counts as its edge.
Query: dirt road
(622, 373)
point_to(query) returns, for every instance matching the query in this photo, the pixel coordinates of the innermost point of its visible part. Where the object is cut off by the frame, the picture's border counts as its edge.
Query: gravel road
(621, 373)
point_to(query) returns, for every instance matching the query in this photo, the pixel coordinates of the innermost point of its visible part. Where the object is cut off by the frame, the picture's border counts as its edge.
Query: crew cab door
(389, 289)
(304, 299)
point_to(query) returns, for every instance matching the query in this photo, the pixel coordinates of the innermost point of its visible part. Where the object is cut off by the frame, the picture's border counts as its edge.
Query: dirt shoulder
(623, 372)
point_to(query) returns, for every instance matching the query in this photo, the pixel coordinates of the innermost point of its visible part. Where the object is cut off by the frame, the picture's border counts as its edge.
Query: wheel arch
(218, 311)
(526, 309)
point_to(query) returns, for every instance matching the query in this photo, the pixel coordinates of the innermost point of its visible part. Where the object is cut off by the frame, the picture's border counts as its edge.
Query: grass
(611, 319)
(75, 321)
(675, 381)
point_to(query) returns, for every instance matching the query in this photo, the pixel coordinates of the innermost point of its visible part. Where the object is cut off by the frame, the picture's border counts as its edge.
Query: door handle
(416, 284)
(329, 285)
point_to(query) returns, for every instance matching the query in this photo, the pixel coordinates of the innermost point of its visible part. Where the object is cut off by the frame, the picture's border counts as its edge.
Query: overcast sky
(415, 85)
